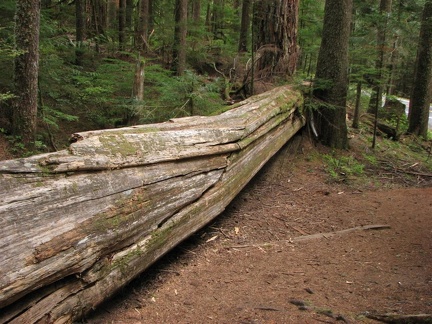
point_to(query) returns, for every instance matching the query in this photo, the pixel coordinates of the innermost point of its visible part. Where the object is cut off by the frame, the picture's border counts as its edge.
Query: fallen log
(80, 223)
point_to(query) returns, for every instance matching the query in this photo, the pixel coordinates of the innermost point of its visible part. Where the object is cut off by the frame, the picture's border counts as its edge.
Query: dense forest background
(112, 63)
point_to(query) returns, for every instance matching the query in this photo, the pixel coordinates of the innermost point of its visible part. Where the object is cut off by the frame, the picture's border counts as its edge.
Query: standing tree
(142, 30)
(217, 19)
(331, 84)
(141, 38)
(380, 64)
(121, 24)
(80, 24)
(196, 11)
(180, 33)
(245, 25)
(422, 90)
(275, 37)
(27, 23)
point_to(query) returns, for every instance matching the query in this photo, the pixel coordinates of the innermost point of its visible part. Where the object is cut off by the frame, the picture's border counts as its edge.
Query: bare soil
(249, 265)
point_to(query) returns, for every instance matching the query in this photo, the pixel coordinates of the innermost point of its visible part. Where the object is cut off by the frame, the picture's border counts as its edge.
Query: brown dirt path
(247, 267)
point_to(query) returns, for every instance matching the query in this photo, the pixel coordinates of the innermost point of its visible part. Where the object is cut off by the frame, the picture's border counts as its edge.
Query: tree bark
(245, 25)
(127, 196)
(275, 31)
(356, 117)
(217, 19)
(180, 33)
(380, 63)
(331, 84)
(80, 26)
(422, 90)
(122, 25)
(27, 22)
(196, 11)
(142, 31)
(138, 82)
(129, 14)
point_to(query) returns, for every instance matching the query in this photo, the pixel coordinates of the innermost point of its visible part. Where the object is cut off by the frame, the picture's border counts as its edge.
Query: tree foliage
(89, 50)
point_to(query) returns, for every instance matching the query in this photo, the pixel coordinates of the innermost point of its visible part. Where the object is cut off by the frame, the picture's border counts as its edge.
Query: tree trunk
(122, 25)
(129, 14)
(392, 67)
(180, 33)
(275, 33)
(27, 22)
(331, 84)
(80, 25)
(217, 19)
(142, 32)
(111, 14)
(196, 11)
(422, 89)
(127, 196)
(245, 25)
(378, 86)
(356, 118)
(138, 82)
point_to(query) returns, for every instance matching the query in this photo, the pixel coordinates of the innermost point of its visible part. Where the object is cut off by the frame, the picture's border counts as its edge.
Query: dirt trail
(246, 267)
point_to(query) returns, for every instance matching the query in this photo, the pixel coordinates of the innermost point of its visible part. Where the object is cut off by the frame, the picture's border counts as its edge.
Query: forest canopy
(111, 63)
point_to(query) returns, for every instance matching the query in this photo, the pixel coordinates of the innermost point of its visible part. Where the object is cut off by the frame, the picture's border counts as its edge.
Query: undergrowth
(407, 162)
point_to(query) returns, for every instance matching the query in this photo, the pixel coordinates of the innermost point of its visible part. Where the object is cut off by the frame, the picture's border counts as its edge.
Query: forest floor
(292, 247)
(261, 262)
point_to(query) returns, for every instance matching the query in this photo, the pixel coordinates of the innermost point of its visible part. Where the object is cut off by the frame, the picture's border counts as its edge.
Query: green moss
(123, 263)
(125, 210)
(159, 237)
(117, 144)
(223, 109)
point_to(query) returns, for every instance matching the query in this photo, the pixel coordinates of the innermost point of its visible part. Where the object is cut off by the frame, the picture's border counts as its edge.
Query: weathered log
(80, 223)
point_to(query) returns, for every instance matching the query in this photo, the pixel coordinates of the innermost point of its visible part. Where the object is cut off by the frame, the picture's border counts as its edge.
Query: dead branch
(400, 318)
(313, 236)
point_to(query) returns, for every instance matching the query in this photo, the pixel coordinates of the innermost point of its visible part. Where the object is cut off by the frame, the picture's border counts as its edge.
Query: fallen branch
(398, 318)
(345, 231)
(314, 236)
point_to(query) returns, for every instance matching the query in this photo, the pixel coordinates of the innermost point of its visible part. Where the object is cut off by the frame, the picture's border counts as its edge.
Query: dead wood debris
(314, 236)
(405, 172)
(399, 318)
(304, 306)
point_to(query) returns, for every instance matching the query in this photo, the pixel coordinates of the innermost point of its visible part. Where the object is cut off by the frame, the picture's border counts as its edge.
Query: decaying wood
(401, 318)
(80, 223)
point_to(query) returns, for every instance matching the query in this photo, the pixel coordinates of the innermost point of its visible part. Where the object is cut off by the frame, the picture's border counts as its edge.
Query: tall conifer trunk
(27, 22)
(180, 32)
(80, 26)
(380, 63)
(331, 83)
(245, 25)
(275, 37)
(122, 24)
(422, 91)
